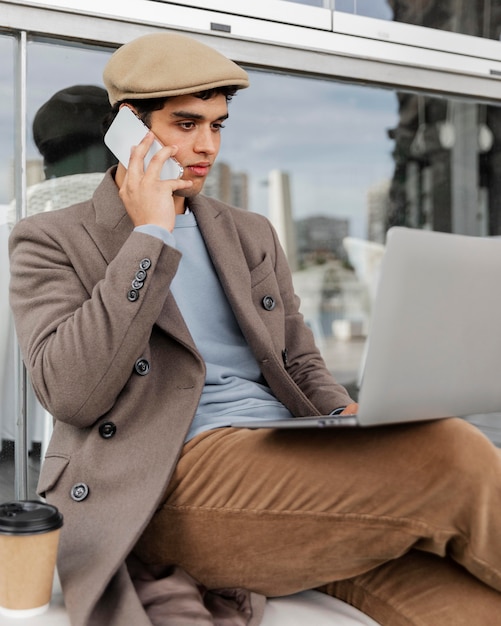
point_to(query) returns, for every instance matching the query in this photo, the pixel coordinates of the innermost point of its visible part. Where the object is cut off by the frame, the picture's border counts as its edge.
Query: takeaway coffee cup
(29, 535)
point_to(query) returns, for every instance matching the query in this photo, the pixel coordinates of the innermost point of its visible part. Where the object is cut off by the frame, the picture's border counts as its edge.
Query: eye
(187, 125)
(217, 126)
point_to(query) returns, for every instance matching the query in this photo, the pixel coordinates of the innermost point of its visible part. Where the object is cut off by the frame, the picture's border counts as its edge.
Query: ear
(129, 106)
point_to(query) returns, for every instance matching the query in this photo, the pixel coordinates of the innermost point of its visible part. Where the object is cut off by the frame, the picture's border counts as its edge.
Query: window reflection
(68, 133)
(319, 157)
(333, 165)
(66, 161)
(446, 166)
(353, 161)
(481, 18)
(379, 9)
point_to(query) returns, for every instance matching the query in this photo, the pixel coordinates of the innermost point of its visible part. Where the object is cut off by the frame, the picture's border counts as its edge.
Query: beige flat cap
(168, 64)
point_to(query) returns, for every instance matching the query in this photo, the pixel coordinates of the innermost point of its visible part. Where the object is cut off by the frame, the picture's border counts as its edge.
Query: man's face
(194, 126)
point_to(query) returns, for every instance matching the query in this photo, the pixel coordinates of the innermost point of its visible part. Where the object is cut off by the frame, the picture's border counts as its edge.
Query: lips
(199, 169)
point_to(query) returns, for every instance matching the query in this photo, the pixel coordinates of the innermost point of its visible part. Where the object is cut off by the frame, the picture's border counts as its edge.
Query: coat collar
(112, 224)
(112, 227)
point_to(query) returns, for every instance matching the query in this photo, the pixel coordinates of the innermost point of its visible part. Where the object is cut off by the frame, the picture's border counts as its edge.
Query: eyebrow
(196, 116)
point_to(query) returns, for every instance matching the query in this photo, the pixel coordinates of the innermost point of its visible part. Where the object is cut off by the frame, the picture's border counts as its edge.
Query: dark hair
(145, 107)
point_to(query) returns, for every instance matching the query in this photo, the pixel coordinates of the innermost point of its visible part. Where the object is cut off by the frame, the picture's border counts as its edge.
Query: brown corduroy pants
(403, 522)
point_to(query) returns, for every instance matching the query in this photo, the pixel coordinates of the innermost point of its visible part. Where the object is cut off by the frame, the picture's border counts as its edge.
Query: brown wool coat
(82, 337)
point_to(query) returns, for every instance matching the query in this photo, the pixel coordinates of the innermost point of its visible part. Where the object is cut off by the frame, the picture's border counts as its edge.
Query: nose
(207, 141)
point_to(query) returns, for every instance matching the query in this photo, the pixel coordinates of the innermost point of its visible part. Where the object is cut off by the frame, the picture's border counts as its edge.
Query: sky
(331, 138)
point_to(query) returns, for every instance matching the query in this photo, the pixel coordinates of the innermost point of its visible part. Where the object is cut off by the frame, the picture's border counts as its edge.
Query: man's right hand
(147, 198)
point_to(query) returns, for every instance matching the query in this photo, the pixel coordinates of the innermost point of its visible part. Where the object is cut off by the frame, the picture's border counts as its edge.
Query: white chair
(365, 257)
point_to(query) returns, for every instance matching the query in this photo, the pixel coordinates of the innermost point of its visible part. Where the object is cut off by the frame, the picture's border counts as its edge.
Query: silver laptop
(434, 347)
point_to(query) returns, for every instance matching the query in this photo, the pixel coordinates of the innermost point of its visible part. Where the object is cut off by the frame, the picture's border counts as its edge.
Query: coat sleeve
(80, 335)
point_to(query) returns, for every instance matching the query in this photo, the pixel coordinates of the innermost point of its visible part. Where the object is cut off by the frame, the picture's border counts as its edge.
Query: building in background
(228, 186)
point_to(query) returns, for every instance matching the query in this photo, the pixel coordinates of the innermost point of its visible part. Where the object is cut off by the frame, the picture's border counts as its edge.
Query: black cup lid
(28, 517)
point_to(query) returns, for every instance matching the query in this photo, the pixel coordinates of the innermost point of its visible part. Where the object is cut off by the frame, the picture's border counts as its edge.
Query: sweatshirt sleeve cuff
(157, 231)
(338, 411)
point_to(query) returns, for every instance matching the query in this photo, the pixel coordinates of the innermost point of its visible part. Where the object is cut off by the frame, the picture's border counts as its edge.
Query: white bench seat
(302, 609)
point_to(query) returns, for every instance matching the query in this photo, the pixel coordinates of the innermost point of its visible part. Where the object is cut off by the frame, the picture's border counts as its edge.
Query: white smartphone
(128, 130)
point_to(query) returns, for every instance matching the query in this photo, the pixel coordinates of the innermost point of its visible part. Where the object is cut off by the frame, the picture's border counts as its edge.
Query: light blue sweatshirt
(234, 387)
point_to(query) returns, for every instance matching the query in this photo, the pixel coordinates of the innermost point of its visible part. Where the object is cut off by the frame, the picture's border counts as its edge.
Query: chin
(188, 193)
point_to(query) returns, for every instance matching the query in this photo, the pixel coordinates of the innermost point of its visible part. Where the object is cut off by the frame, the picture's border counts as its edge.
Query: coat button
(142, 367)
(145, 264)
(141, 275)
(107, 430)
(79, 492)
(268, 303)
(137, 284)
(132, 295)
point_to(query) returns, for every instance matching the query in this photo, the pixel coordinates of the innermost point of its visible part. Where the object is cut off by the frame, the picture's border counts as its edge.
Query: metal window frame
(20, 147)
(273, 10)
(351, 53)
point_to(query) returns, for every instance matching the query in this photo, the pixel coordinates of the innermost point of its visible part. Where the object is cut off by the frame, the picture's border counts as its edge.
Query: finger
(158, 160)
(179, 184)
(351, 409)
(137, 153)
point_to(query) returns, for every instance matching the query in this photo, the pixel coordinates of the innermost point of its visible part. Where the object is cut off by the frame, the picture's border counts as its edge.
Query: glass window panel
(66, 160)
(6, 335)
(370, 8)
(324, 145)
(481, 18)
(348, 162)
(332, 164)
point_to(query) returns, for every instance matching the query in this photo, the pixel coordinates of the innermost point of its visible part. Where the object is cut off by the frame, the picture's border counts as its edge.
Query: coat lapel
(112, 225)
(225, 249)
(172, 322)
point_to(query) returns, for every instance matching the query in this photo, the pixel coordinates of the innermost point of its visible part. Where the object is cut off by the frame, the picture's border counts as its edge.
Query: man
(152, 317)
